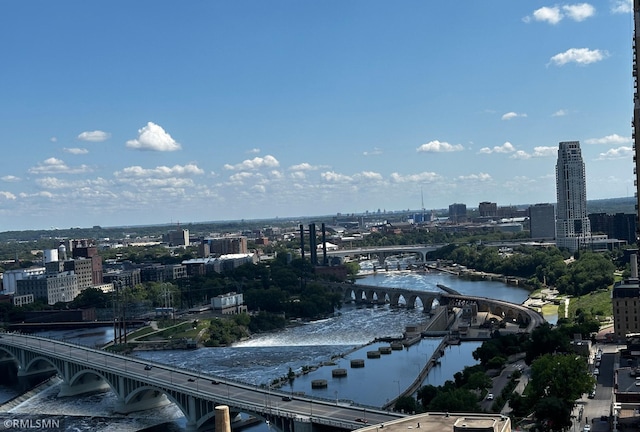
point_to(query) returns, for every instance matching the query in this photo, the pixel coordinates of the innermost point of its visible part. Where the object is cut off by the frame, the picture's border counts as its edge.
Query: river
(266, 357)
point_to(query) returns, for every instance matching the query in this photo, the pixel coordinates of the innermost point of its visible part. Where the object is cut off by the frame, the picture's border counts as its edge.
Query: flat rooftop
(445, 422)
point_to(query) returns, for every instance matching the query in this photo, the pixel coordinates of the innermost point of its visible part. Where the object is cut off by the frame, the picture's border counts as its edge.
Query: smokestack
(302, 240)
(324, 245)
(633, 260)
(223, 421)
(313, 244)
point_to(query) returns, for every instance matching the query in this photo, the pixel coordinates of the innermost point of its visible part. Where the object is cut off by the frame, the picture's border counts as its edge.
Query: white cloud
(275, 174)
(368, 175)
(239, 178)
(559, 113)
(554, 14)
(10, 179)
(254, 151)
(303, 167)
(511, 115)
(616, 153)
(414, 178)
(507, 147)
(538, 152)
(259, 188)
(621, 6)
(376, 151)
(521, 154)
(545, 151)
(582, 56)
(94, 136)
(57, 166)
(609, 139)
(580, 11)
(75, 150)
(171, 183)
(7, 195)
(335, 177)
(253, 164)
(84, 187)
(154, 138)
(53, 139)
(53, 183)
(476, 177)
(439, 147)
(298, 175)
(161, 171)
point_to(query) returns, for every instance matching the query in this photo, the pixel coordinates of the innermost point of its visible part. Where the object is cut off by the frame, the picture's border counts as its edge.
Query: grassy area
(170, 332)
(140, 332)
(191, 333)
(597, 303)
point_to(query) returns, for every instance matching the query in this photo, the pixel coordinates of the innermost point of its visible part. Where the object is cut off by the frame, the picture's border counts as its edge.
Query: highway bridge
(141, 385)
(382, 252)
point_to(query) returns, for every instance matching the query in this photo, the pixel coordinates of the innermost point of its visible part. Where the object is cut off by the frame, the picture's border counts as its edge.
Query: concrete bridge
(382, 252)
(370, 294)
(141, 385)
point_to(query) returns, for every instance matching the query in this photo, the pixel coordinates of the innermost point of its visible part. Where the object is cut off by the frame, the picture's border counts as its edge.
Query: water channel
(266, 357)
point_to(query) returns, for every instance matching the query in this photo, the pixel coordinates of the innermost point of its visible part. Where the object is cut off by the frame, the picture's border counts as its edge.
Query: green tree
(455, 400)
(91, 297)
(406, 404)
(558, 379)
(553, 414)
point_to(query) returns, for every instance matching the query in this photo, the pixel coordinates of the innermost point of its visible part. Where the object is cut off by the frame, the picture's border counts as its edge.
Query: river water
(266, 357)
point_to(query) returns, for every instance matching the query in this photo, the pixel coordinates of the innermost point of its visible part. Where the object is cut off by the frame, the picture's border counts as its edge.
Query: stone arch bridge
(370, 294)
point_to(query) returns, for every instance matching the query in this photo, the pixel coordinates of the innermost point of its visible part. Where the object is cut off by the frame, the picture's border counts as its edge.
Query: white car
(490, 397)
(596, 371)
(587, 428)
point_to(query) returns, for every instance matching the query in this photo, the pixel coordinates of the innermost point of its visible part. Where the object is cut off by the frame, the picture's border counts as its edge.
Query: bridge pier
(142, 401)
(86, 384)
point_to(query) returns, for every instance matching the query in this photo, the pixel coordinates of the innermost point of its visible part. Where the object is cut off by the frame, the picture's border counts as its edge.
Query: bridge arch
(35, 365)
(29, 364)
(148, 396)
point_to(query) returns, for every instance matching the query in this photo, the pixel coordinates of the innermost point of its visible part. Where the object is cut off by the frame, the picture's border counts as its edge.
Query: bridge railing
(200, 375)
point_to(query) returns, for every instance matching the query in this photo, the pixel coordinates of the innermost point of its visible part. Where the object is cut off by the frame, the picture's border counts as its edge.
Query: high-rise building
(626, 303)
(542, 221)
(573, 229)
(488, 209)
(458, 212)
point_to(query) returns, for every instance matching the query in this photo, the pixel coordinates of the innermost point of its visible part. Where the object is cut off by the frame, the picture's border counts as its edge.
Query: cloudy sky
(143, 112)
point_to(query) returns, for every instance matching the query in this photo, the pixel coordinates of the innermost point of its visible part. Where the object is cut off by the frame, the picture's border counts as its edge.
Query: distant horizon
(216, 110)
(292, 218)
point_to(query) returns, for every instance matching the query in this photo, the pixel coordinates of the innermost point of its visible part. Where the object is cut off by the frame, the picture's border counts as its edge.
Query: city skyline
(146, 113)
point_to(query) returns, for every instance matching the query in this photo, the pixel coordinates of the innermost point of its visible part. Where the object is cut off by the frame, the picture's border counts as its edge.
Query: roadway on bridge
(234, 394)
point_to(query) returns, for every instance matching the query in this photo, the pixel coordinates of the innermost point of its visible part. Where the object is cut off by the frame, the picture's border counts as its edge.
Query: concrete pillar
(223, 422)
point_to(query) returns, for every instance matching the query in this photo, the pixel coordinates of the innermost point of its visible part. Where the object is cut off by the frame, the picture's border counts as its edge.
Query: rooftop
(444, 422)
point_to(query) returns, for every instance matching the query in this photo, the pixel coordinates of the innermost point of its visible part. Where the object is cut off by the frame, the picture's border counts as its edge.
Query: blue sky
(144, 112)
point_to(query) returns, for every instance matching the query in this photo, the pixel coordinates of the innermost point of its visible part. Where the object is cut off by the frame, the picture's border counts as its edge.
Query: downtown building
(573, 228)
(542, 221)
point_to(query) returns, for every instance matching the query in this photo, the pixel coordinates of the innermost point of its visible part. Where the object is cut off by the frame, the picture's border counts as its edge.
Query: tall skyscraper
(573, 229)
